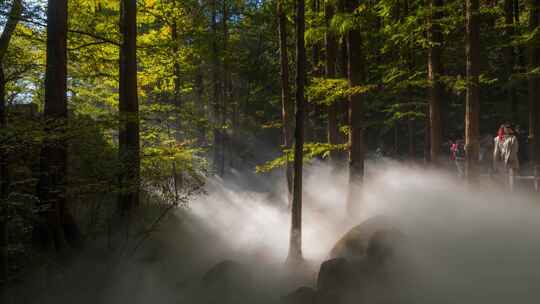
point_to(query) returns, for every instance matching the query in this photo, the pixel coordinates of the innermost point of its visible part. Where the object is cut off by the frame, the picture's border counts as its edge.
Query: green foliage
(327, 91)
(310, 152)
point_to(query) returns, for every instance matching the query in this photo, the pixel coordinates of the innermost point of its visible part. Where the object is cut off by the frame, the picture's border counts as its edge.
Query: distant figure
(522, 137)
(486, 152)
(457, 155)
(505, 151)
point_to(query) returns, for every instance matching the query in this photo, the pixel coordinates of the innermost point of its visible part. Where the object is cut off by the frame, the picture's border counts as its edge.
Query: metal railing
(513, 178)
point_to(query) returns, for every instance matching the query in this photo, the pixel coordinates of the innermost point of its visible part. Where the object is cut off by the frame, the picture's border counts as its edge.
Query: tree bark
(216, 100)
(316, 51)
(225, 87)
(287, 105)
(472, 111)
(312, 109)
(434, 74)
(9, 28)
(4, 186)
(129, 110)
(409, 57)
(509, 55)
(412, 142)
(355, 73)
(533, 82)
(295, 246)
(5, 38)
(343, 104)
(57, 227)
(177, 82)
(330, 71)
(202, 106)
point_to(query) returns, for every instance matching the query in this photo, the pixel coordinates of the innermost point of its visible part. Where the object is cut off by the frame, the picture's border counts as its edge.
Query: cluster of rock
(359, 269)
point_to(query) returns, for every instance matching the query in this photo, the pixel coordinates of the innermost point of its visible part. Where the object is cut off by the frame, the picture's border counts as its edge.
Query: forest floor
(483, 234)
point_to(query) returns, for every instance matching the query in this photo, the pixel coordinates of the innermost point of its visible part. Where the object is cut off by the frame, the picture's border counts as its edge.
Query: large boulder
(333, 275)
(332, 281)
(359, 268)
(302, 295)
(375, 238)
(226, 282)
(225, 272)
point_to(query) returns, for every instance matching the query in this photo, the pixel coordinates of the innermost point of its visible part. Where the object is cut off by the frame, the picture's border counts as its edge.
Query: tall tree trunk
(287, 105)
(216, 102)
(434, 74)
(202, 106)
(412, 142)
(472, 111)
(509, 55)
(4, 185)
(295, 245)
(312, 133)
(533, 82)
(129, 110)
(356, 136)
(427, 144)
(330, 71)
(520, 60)
(9, 28)
(316, 51)
(5, 38)
(57, 225)
(226, 89)
(177, 83)
(409, 57)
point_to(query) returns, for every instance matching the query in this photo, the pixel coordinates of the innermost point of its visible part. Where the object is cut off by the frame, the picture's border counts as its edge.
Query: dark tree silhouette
(129, 109)
(472, 110)
(295, 245)
(56, 227)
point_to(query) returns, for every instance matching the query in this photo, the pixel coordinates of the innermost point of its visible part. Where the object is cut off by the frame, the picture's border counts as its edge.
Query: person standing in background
(505, 152)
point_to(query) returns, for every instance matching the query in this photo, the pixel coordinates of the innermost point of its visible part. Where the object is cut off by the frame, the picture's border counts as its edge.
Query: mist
(472, 244)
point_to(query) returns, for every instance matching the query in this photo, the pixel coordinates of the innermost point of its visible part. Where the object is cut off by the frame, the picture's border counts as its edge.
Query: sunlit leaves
(310, 152)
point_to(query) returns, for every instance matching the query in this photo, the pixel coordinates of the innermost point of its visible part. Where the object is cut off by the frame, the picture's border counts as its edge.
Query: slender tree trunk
(356, 136)
(330, 71)
(295, 246)
(412, 142)
(129, 109)
(472, 111)
(287, 105)
(202, 106)
(343, 105)
(177, 82)
(411, 123)
(9, 28)
(434, 74)
(427, 144)
(509, 55)
(312, 109)
(533, 85)
(342, 67)
(4, 186)
(396, 140)
(409, 57)
(520, 61)
(216, 102)
(225, 94)
(5, 38)
(57, 225)
(316, 51)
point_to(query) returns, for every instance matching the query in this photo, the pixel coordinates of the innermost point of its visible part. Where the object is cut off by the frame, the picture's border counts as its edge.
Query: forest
(269, 151)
